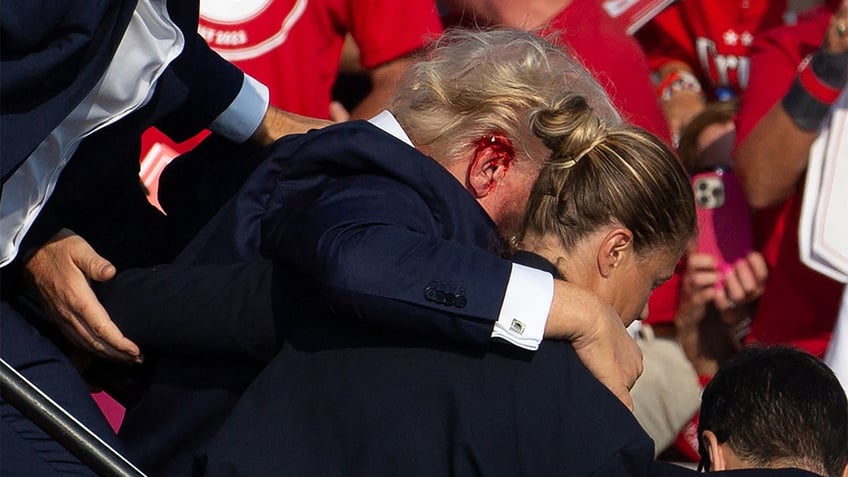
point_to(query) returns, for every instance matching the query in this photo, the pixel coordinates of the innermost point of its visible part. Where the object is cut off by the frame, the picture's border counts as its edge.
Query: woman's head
(613, 202)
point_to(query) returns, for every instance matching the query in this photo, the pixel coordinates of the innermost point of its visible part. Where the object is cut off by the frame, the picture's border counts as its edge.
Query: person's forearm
(278, 123)
(773, 157)
(598, 336)
(771, 160)
(572, 311)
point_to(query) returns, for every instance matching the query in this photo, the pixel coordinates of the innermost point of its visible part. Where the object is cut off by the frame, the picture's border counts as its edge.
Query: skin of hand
(680, 108)
(834, 43)
(704, 340)
(61, 271)
(772, 159)
(598, 336)
(744, 284)
(278, 123)
(338, 113)
(697, 289)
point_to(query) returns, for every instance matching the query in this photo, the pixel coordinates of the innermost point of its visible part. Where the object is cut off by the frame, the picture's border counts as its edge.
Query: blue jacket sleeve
(375, 251)
(206, 82)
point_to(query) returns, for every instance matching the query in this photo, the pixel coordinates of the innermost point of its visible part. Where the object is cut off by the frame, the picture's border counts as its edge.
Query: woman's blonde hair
(473, 82)
(602, 174)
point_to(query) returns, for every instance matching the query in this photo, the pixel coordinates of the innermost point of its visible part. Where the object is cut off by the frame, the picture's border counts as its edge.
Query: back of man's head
(470, 83)
(776, 407)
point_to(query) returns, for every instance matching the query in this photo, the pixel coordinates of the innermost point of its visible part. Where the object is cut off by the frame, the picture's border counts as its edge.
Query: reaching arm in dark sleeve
(220, 310)
(207, 83)
(369, 247)
(374, 250)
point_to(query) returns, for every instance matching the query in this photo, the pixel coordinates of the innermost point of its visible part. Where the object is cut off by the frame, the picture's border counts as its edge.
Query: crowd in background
(749, 95)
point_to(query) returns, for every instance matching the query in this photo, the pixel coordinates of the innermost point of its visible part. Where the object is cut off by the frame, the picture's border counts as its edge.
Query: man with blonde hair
(360, 214)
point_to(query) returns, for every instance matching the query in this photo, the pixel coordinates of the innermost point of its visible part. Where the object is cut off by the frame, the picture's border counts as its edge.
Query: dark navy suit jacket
(365, 222)
(346, 398)
(375, 244)
(53, 53)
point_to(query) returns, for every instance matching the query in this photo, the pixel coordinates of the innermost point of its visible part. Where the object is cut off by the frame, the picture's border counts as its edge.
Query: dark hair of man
(778, 407)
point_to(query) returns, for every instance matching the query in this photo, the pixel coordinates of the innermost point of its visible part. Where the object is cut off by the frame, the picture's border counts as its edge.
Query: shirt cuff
(526, 306)
(244, 115)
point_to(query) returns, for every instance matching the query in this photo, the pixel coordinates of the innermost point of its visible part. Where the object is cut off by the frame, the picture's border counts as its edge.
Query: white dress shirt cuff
(244, 115)
(526, 306)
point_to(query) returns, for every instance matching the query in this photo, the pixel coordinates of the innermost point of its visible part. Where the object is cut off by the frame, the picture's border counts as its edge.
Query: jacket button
(460, 301)
(430, 294)
(440, 297)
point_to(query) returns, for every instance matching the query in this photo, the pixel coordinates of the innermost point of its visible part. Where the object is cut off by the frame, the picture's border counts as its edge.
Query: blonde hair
(601, 174)
(472, 83)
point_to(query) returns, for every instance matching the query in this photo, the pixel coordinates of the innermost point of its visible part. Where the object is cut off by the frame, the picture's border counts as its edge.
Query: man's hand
(60, 271)
(278, 123)
(598, 335)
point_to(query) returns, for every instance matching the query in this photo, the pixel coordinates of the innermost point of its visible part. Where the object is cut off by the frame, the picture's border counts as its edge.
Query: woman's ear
(616, 247)
(490, 162)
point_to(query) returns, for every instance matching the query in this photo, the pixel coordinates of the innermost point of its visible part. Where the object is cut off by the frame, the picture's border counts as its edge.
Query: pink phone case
(724, 218)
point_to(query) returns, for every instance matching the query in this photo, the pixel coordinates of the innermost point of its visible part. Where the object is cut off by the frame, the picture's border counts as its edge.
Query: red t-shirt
(711, 36)
(294, 47)
(614, 57)
(799, 306)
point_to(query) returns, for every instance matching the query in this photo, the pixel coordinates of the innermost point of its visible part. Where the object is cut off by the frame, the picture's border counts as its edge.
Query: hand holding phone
(724, 218)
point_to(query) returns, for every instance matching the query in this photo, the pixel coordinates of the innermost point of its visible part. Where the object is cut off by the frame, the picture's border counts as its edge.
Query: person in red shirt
(699, 51)
(294, 47)
(779, 119)
(696, 324)
(599, 41)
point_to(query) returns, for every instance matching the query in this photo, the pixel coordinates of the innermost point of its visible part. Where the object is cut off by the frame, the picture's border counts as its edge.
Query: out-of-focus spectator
(583, 28)
(698, 51)
(683, 350)
(295, 48)
(797, 73)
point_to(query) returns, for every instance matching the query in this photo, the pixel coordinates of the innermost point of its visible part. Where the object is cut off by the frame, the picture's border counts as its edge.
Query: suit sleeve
(208, 83)
(211, 310)
(374, 251)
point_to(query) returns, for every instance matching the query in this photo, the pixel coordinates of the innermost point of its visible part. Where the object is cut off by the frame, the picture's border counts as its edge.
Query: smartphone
(724, 218)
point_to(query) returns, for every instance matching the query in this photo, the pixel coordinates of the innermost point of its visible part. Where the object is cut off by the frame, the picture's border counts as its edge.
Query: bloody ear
(490, 161)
